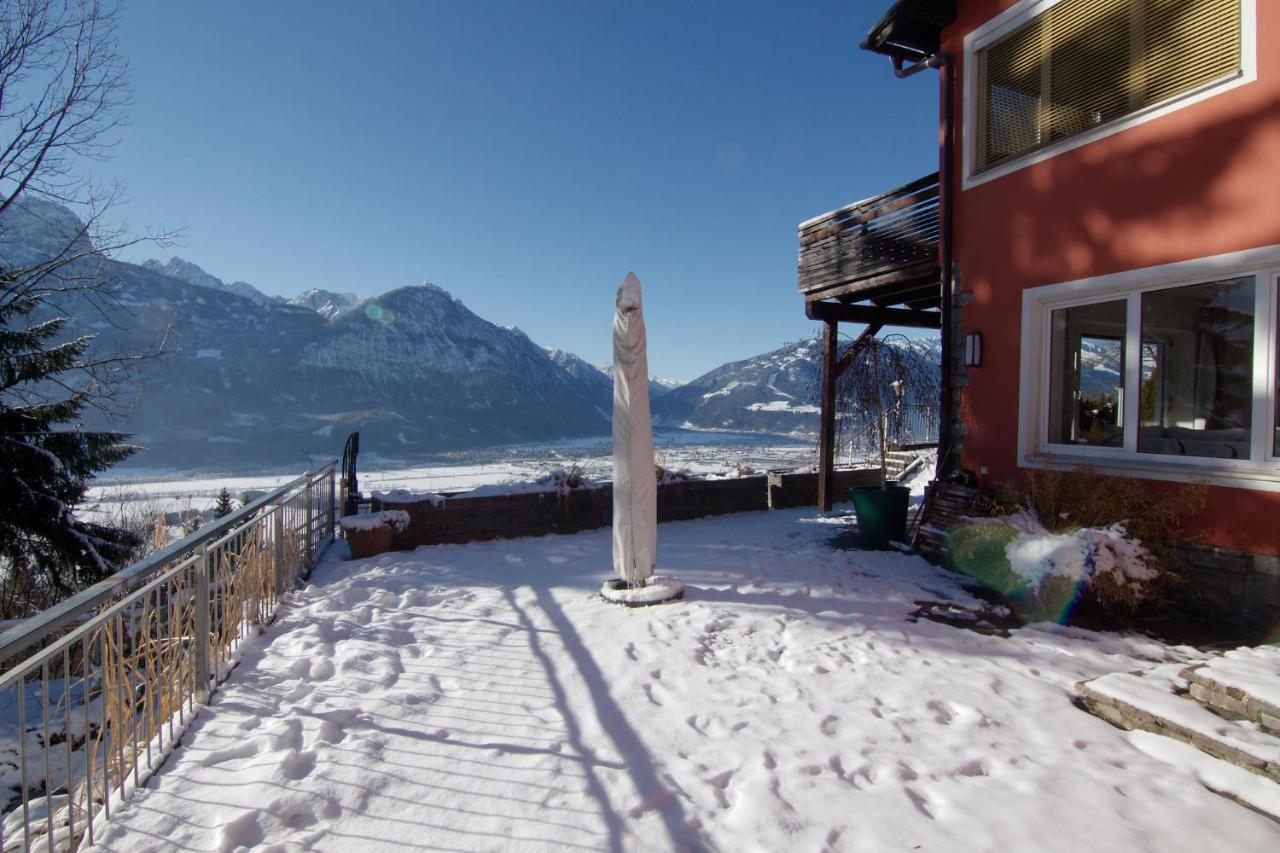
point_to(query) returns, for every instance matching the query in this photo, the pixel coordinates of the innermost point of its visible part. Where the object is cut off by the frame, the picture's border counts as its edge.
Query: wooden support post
(827, 427)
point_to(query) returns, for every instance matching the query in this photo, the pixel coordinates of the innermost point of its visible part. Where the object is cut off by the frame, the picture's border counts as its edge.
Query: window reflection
(1086, 400)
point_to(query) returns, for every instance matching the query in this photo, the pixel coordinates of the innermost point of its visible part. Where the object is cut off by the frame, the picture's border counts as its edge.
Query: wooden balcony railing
(883, 248)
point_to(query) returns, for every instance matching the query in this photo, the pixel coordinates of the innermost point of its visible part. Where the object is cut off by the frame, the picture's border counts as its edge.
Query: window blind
(1083, 63)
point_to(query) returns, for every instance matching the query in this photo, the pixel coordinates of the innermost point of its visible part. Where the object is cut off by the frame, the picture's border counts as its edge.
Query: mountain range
(245, 380)
(776, 392)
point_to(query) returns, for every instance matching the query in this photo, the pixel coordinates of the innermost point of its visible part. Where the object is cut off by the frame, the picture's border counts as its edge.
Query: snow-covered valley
(131, 494)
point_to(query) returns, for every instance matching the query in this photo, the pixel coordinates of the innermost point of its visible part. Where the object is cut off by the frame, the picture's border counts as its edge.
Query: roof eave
(911, 29)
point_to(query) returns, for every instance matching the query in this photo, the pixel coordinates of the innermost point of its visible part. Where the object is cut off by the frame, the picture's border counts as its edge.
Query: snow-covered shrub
(668, 475)
(1081, 497)
(408, 496)
(396, 519)
(562, 481)
(1044, 574)
(1076, 536)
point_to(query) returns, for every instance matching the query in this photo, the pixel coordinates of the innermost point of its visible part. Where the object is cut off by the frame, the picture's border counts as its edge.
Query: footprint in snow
(921, 802)
(321, 670)
(294, 812)
(976, 767)
(943, 712)
(243, 831)
(247, 749)
(288, 735)
(297, 766)
(720, 785)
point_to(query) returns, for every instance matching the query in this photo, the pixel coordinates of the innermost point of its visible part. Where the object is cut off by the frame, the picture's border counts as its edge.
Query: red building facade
(1149, 242)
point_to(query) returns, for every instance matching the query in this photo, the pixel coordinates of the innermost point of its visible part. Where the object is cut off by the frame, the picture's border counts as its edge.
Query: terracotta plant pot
(367, 543)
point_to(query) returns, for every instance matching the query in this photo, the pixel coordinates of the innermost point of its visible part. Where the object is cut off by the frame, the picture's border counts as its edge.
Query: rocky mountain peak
(184, 270)
(33, 230)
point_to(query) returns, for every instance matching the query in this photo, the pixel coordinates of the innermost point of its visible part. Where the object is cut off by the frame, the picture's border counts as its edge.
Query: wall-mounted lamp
(973, 349)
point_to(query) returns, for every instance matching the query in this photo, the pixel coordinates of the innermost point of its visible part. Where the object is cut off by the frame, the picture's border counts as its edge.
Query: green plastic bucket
(882, 515)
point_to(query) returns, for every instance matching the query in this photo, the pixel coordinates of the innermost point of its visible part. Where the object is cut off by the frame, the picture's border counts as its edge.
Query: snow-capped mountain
(600, 379)
(35, 230)
(659, 385)
(1100, 366)
(327, 303)
(597, 382)
(244, 383)
(186, 271)
(776, 392)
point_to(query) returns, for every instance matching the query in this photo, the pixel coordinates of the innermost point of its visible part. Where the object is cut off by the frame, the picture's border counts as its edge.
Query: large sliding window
(1077, 65)
(1181, 373)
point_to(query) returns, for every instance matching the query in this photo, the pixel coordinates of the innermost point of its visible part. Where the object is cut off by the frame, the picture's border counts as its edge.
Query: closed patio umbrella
(635, 491)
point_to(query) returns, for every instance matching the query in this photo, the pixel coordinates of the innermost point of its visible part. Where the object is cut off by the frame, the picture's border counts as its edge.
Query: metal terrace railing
(96, 690)
(905, 427)
(873, 246)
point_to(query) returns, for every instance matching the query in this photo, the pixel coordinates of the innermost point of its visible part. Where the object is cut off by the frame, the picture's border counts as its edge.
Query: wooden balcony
(882, 250)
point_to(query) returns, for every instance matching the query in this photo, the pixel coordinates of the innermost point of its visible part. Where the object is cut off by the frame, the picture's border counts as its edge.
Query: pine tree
(69, 85)
(222, 506)
(47, 458)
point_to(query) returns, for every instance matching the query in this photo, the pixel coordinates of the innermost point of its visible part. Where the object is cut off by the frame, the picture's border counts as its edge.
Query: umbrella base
(656, 590)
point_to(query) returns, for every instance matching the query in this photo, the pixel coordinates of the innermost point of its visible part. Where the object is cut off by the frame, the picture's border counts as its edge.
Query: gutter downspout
(946, 165)
(946, 187)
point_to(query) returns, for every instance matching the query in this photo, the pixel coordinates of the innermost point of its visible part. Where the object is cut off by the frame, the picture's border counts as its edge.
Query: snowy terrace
(482, 696)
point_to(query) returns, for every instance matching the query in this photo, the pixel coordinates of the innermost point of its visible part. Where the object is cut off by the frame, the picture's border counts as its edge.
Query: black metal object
(350, 481)
(911, 30)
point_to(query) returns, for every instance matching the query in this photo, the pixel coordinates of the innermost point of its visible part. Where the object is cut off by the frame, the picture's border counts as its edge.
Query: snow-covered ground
(484, 697)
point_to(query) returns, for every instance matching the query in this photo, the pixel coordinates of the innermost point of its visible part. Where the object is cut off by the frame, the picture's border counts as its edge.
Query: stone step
(1241, 684)
(1158, 700)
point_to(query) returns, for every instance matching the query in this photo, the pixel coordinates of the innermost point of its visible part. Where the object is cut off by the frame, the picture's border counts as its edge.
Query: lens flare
(979, 552)
(378, 314)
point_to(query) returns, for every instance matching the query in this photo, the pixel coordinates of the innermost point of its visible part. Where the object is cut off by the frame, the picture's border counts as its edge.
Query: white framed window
(1046, 76)
(1169, 372)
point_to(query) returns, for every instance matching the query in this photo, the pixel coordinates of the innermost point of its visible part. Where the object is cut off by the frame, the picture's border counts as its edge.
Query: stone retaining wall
(1223, 582)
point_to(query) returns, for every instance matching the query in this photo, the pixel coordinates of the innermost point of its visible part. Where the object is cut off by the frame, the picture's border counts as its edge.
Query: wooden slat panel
(892, 237)
(945, 506)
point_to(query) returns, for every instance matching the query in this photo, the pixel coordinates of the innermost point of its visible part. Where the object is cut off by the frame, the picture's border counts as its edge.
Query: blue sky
(522, 155)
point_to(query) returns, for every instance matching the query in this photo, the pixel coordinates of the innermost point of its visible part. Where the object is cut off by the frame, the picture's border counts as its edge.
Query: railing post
(202, 605)
(311, 515)
(333, 503)
(282, 570)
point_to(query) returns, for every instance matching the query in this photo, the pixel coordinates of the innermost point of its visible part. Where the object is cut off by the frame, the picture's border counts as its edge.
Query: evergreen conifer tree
(69, 84)
(222, 506)
(47, 457)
